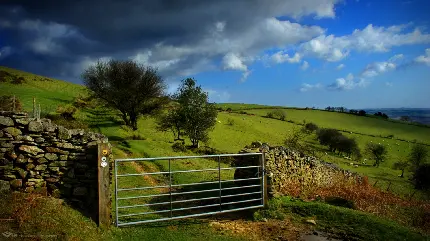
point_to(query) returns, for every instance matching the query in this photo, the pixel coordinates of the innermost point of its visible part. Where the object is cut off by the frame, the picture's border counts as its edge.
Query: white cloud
(370, 39)
(232, 61)
(281, 57)
(340, 66)
(305, 65)
(218, 96)
(377, 68)
(245, 75)
(307, 87)
(343, 84)
(389, 84)
(424, 59)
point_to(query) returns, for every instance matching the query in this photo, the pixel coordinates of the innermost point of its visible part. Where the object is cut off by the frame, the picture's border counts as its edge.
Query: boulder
(51, 156)
(12, 131)
(40, 167)
(6, 121)
(17, 183)
(63, 133)
(24, 138)
(56, 150)
(35, 126)
(24, 121)
(21, 172)
(34, 150)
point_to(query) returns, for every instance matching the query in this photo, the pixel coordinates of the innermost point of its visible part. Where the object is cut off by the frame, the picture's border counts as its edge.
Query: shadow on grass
(201, 198)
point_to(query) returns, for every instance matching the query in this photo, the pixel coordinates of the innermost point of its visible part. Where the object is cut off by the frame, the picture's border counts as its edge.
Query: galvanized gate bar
(170, 172)
(188, 184)
(184, 157)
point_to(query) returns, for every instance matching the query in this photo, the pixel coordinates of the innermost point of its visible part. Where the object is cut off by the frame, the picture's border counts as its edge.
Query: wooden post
(38, 114)
(103, 185)
(34, 107)
(14, 101)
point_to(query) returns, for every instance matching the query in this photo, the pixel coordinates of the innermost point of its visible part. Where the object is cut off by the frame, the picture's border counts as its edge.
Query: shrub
(6, 103)
(243, 112)
(417, 156)
(136, 136)
(69, 124)
(229, 109)
(310, 127)
(377, 152)
(269, 114)
(18, 80)
(67, 112)
(280, 114)
(327, 137)
(230, 122)
(82, 102)
(179, 147)
(421, 177)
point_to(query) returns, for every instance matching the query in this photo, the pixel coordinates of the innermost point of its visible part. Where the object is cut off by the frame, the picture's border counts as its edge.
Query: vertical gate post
(103, 185)
(264, 177)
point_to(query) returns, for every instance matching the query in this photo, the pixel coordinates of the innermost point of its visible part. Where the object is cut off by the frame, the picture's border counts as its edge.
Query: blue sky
(313, 53)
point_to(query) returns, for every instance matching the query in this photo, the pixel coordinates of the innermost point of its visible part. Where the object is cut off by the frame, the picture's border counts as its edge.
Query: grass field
(225, 138)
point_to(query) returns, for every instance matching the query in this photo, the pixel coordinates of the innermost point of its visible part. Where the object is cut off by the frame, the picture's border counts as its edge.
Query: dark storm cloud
(60, 37)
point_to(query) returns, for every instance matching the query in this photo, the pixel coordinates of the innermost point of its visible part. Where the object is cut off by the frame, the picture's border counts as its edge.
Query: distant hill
(420, 115)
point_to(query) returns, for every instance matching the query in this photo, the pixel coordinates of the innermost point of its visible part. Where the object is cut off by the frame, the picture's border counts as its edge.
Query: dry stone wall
(289, 173)
(38, 156)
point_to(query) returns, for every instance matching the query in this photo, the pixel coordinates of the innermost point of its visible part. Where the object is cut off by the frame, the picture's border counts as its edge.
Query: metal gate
(174, 200)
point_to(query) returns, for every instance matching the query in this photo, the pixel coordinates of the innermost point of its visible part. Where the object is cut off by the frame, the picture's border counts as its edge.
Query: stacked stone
(37, 155)
(286, 167)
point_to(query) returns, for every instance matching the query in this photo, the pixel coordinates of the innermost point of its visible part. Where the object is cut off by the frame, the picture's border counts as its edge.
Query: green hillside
(247, 127)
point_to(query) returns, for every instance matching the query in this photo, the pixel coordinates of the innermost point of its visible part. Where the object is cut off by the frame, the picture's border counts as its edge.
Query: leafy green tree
(401, 165)
(174, 121)
(198, 116)
(377, 152)
(310, 127)
(130, 88)
(417, 156)
(328, 137)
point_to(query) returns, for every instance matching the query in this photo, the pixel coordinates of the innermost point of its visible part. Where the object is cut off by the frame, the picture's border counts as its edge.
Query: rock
(17, 183)
(4, 186)
(71, 173)
(56, 150)
(80, 191)
(24, 121)
(42, 160)
(21, 172)
(24, 138)
(63, 157)
(6, 121)
(10, 177)
(29, 189)
(54, 169)
(65, 145)
(6, 144)
(21, 159)
(51, 156)
(52, 180)
(4, 162)
(11, 155)
(34, 150)
(35, 126)
(39, 140)
(30, 166)
(1, 134)
(40, 167)
(12, 131)
(63, 133)
(311, 221)
(58, 164)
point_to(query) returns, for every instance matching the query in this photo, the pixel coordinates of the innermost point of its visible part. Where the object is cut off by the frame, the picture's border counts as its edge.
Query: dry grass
(413, 213)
